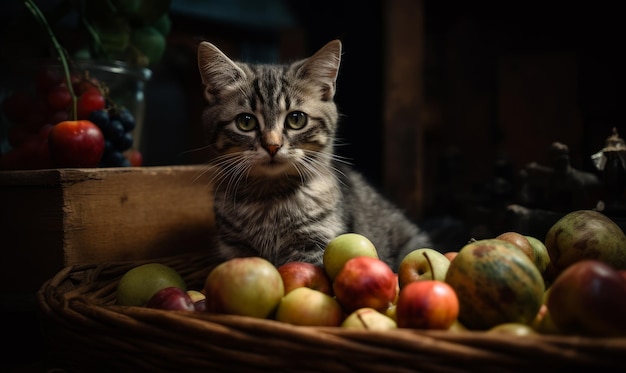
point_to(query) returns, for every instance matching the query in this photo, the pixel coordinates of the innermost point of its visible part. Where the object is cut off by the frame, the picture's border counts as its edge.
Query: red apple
(249, 286)
(450, 255)
(365, 282)
(343, 248)
(76, 143)
(304, 274)
(589, 298)
(422, 264)
(309, 307)
(521, 242)
(171, 298)
(427, 304)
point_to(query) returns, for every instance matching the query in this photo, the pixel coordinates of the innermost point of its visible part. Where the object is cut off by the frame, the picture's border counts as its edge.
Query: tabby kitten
(280, 191)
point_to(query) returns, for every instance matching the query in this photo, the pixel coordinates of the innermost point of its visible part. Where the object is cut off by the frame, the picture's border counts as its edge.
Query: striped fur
(280, 191)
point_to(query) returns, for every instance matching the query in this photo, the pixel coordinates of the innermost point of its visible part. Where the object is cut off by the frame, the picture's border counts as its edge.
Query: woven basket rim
(83, 325)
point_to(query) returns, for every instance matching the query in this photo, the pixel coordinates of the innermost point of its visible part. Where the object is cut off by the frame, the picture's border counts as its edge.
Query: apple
(76, 143)
(543, 322)
(196, 295)
(198, 298)
(369, 319)
(171, 298)
(422, 264)
(309, 307)
(589, 298)
(248, 286)
(542, 257)
(140, 283)
(456, 326)
(513, 328)
(450, 255)
(427, 304)
(521, 242)
(305, 274)
(343, 248)
(365, 282)
(391, 310)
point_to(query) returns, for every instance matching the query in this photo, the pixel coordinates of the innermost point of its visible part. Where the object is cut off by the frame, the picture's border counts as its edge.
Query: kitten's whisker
(198, 149)
(201, 174)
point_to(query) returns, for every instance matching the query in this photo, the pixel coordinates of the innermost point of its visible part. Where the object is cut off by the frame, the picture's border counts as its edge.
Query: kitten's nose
(272, 149)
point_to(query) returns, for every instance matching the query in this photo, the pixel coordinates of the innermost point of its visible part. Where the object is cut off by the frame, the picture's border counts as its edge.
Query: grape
(127, 119)
(100, 118)
(113, 158)
(114, 130)
(123, 142)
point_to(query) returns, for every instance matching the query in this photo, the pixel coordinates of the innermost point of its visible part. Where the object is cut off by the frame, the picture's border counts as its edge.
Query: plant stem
(39, 16)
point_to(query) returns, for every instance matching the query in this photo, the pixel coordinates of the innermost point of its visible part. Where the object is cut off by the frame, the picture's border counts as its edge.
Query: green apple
(249, 286)
(140, 283)
(198, 298)
(343, 248)
(513, 328)
(196, 295)
(369, 319)
(585, 234)
(309, 307)
(423, 264)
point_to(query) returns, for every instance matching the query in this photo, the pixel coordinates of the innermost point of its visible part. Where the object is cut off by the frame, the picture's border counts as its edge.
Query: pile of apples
(567, 284)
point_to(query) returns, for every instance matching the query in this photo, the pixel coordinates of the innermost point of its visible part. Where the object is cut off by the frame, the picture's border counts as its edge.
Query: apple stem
(39, 16)
(362, 320)
(430, 264)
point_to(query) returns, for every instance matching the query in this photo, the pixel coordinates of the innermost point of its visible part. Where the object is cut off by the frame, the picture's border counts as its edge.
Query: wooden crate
(53, 218)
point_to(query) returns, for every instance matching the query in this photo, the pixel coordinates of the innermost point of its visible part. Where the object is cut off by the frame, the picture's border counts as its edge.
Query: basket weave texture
(87, 332)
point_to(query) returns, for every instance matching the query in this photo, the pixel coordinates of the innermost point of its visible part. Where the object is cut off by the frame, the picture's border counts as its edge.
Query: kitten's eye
(296, 120)
(246, 122)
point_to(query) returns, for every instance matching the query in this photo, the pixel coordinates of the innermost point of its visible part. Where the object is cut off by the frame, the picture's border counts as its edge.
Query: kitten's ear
(323, 67)
(219, 73)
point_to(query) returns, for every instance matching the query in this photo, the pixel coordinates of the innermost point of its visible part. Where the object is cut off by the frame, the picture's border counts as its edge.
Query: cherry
(47, 78)
(89, 101)
(59, 97)
(76, 143)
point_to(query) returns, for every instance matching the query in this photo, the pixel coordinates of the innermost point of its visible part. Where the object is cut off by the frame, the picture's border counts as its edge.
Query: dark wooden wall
(443, 102)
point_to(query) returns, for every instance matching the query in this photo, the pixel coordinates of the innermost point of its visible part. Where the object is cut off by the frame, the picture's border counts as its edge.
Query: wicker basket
(87, 332)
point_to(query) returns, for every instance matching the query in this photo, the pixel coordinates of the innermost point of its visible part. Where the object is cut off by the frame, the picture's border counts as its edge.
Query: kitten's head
(266, 120)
